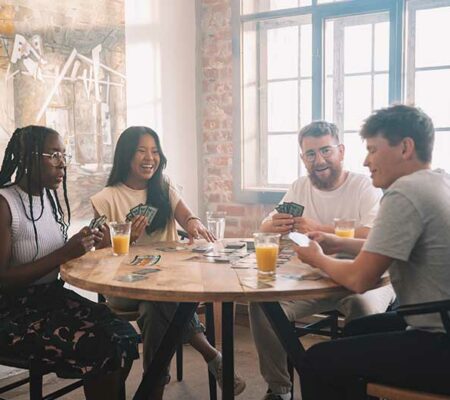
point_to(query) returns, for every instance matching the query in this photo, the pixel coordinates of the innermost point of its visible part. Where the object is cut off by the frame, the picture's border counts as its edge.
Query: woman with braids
(39, 318)
(137, 177)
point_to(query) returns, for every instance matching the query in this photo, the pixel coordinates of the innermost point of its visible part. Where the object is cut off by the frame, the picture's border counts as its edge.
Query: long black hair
(157, 186)
(22, 157)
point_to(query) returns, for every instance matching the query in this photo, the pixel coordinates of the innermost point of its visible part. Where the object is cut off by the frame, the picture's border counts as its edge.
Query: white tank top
(49, 234)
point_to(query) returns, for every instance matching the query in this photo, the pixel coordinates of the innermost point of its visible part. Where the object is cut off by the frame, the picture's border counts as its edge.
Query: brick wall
(216, 119)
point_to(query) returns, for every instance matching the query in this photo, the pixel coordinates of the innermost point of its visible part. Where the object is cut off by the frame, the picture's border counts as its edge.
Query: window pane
(282, 159)
(381, 91)
(431, 27)
(282, 106)
(355, 153)
(433, 95)
(382, 46)
(306, 50)
(358, 48)
(305, 101)
(441, 151)
(254, 6)
(357, 101)
(282, 52)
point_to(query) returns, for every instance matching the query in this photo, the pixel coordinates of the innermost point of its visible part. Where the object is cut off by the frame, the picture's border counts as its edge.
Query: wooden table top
(185, 280)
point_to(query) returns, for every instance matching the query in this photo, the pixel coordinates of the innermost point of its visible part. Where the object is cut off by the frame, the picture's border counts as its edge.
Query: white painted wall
(161, 82)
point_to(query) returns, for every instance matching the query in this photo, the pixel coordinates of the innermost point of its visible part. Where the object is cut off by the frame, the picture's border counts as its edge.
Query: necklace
(25, 209)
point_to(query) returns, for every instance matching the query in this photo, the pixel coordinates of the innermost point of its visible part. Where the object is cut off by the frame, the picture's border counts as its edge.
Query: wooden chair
(388, 392)
(37, 370)
(394, 393)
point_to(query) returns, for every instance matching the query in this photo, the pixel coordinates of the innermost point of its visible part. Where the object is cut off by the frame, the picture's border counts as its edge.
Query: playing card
(171, 249)
(202, 248)
(130, 278)
(145, 260)
(146, 271)
(149, 212)
(97, 222)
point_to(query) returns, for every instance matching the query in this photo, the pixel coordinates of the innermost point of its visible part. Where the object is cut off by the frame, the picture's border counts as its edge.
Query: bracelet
(190, 219)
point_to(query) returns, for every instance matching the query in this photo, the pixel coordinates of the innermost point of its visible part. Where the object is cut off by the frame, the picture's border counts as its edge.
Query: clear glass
(120, 237)
(344, 227)
(215, 221)
(432, 94)
(282, 52)
(441, 150)
(283, 159)
(431, 27)
(266, 248)
(255, 6)
(283, 106)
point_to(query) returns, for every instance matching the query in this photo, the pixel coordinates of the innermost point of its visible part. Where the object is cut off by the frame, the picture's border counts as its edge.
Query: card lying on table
(130, 278)
(145, 260)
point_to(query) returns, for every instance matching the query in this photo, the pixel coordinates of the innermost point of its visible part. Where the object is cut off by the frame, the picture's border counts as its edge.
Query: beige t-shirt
(116, 201)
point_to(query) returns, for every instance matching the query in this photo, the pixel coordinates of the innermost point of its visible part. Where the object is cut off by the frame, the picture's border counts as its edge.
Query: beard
(328, 182)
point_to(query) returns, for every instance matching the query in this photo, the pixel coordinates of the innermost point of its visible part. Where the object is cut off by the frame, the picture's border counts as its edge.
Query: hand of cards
(142, 209)
(96, 223)
(294, 209)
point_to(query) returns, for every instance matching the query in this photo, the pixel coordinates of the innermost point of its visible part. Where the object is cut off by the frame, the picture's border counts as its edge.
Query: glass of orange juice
(344, 227)
(120, 237)
(266, 247)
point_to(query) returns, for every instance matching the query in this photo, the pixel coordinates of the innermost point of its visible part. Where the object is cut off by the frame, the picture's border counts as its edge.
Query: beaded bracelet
(191, 218)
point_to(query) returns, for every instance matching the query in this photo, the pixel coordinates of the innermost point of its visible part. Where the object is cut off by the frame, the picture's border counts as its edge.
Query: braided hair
(22, 156)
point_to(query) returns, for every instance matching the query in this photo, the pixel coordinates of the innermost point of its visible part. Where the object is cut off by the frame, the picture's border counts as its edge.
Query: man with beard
(327, 192)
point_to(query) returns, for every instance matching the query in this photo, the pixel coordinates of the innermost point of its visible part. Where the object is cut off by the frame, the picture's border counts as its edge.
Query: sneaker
(272, 396)
(215, 367)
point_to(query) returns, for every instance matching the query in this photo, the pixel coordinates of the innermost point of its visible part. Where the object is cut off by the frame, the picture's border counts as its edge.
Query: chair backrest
(394, 393)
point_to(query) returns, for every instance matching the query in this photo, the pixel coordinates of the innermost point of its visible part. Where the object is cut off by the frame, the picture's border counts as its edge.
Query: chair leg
(35, 385)
(211, 336)
(180, 363)
(291, 376)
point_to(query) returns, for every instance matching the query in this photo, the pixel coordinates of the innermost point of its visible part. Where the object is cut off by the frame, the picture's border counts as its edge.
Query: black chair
(389, 392)
(37, 370)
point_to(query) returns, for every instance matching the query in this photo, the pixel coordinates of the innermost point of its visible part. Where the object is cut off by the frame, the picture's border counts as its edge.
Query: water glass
(344, 227)
(266, 248)
(215, 221)
(120, 237)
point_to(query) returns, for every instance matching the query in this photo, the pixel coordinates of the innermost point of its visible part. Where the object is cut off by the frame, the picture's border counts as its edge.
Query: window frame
(319, 14)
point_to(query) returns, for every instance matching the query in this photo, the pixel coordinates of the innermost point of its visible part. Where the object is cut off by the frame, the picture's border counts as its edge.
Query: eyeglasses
(56, 158)
(325, 152)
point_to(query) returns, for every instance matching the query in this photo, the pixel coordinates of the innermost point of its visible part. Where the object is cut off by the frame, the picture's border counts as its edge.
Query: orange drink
(266, 247)
(345, 233)
(121, 244)
(120, 237)
(344, 228)
(266, 258)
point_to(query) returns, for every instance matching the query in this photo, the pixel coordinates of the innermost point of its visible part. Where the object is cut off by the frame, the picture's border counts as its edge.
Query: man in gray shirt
(411, 239)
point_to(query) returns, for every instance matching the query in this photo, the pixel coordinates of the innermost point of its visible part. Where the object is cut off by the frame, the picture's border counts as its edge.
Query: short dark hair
(318, 129)
(400, 121)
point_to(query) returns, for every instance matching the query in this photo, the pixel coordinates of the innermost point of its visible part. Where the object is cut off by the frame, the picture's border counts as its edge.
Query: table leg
(211, 336)
(228, 351)
(165, 352)
(285, 332)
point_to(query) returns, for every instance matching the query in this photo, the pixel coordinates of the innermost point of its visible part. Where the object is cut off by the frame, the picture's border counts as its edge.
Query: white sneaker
(215, 367)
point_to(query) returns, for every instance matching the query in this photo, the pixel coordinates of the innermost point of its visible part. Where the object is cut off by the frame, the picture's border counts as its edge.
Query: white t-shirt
(355, 199)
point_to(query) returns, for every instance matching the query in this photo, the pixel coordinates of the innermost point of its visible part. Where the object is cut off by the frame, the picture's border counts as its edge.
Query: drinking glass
(215, 221)
(120, 237)
(266, 248)
(344, 227)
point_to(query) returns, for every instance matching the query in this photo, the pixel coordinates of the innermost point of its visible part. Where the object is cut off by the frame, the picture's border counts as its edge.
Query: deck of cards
(142, 209)
(96, 223)
(294, 209)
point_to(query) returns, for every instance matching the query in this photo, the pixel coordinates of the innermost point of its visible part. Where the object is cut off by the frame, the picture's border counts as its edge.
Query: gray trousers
(273, 358)
(154, 319)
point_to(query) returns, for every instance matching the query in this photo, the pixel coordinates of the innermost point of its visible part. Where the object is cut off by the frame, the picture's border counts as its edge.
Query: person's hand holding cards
(99, 229)
(140, 217)
(309, 251)
(284, 220)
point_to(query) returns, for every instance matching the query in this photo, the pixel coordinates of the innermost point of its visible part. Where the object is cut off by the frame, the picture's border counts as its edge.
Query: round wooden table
(185, 278)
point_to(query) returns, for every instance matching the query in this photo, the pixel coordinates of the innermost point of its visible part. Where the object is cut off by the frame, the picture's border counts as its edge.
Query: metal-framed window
(353, 60)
